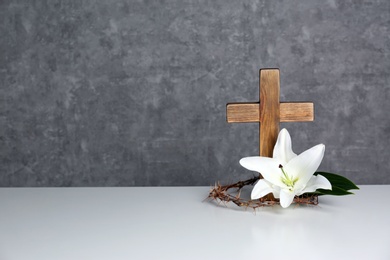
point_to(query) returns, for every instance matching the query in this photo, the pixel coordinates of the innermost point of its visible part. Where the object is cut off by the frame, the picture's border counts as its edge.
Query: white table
(174, 223)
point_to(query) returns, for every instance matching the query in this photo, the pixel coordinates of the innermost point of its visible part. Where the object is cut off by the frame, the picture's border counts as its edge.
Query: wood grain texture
(242, 113)
(269, 110)
(289, 112)
(297, 112)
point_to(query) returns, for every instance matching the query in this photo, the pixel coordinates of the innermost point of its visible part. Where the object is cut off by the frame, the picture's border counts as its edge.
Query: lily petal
(283, 148)
(261, 189)
(286, 198)
(317, 182)
(268, 167)
(304, 165)
(276, 191)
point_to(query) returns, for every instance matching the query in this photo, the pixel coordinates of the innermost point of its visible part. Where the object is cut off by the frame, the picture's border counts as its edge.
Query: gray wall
(123, 93)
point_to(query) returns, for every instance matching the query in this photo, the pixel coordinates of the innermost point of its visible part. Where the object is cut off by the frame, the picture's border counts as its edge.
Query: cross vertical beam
(269, 110)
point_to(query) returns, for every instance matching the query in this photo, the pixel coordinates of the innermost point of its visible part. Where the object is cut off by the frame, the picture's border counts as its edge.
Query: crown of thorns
(220, 193)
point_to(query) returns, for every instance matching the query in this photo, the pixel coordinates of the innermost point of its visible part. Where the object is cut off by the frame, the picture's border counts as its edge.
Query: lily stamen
(287, 180)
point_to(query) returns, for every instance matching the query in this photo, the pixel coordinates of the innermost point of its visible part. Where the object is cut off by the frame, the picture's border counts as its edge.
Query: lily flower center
(289, 181)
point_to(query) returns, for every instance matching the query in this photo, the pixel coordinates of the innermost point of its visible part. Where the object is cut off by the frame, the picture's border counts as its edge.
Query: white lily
(287, 175)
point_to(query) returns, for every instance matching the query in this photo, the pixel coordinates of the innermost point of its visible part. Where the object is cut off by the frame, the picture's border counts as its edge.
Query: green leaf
(338, 181)
(336, 191)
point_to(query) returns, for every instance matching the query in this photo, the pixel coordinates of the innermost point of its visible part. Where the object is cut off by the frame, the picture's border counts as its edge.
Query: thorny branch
(220, 193)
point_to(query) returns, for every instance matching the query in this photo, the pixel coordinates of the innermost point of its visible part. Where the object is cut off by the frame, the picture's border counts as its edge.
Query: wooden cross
(269, 112)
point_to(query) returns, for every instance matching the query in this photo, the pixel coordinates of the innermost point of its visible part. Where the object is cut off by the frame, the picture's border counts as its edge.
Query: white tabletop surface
(175, 223)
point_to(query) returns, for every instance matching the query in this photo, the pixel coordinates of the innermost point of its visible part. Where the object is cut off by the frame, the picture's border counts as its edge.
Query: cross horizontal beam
(289, 112)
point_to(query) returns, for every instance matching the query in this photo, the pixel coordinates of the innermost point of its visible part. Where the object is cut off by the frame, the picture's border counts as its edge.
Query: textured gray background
(123, 93)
